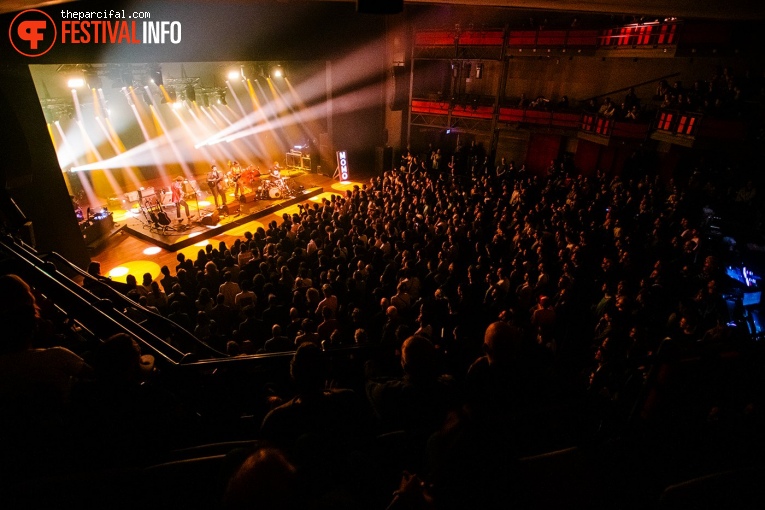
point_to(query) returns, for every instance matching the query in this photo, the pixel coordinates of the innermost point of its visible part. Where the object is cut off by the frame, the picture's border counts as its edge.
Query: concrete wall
(30, 171)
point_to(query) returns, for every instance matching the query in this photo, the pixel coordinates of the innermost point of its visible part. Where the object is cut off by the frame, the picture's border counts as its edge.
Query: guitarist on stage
(215, 183)
(178, 198)
(236, 174)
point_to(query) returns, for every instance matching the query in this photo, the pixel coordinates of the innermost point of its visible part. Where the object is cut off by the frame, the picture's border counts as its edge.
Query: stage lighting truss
(186, 88)
(145, 80)
(120, 75)
(56, 109)
(211, 95)
(241, 71)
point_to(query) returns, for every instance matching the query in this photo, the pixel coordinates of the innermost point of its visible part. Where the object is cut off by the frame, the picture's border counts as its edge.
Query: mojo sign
(342, 165)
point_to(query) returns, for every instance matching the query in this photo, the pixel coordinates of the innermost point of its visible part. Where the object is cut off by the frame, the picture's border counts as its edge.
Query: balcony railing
(678, 123)
(646, 35)
(564, 120)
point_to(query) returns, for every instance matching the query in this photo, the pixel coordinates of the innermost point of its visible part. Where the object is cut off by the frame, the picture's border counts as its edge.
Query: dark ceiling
(711, 9)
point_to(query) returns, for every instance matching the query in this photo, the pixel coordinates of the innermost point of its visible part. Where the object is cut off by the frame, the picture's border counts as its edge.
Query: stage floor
(204, 220)
(136, 247)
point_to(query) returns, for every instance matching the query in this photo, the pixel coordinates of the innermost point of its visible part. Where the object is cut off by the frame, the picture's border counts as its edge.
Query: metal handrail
(119, 298)
(84, 304)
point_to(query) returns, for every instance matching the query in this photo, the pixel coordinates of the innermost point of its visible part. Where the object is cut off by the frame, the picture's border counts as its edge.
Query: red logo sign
(32, 33)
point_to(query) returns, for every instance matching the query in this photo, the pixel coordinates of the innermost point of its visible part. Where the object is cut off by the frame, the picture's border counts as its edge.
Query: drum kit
(274, 189)
(266, 186)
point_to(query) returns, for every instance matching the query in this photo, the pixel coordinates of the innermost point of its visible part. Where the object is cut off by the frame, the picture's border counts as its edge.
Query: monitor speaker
(211, 219)
(231, 209)
(248, 197)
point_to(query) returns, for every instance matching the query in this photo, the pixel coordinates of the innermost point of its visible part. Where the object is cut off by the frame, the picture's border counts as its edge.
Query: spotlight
(233, 75)
(277, 72)
(177, 105)
(479, 71)
(171, 94)
(128, 96)
(118, 271)
(75, 83)
(144, 93)
(155, 74)
(222, 98)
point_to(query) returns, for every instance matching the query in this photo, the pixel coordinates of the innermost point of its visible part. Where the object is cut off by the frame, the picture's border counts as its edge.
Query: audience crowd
(724, 93)
(488, 305)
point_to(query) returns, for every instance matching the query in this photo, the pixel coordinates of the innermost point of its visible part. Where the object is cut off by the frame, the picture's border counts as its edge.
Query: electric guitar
(214, 182)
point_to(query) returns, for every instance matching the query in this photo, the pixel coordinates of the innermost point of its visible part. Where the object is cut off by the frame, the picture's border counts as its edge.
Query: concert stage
(206, 222)
(141, 250)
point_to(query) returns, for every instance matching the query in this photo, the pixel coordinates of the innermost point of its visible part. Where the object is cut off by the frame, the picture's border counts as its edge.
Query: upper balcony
(660, 37)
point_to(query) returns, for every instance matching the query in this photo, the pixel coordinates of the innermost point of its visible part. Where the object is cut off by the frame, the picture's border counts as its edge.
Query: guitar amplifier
(151, 201)
(167, 196)
(189, 187)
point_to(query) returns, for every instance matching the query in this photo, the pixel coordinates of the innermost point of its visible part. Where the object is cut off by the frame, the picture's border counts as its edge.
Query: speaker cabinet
(400, 88)
(383, 159)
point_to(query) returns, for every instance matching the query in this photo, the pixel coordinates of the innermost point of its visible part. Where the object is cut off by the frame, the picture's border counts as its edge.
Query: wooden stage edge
(174, 242)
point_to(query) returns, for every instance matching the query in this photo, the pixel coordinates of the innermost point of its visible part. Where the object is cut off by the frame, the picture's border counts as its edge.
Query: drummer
(276, 173)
